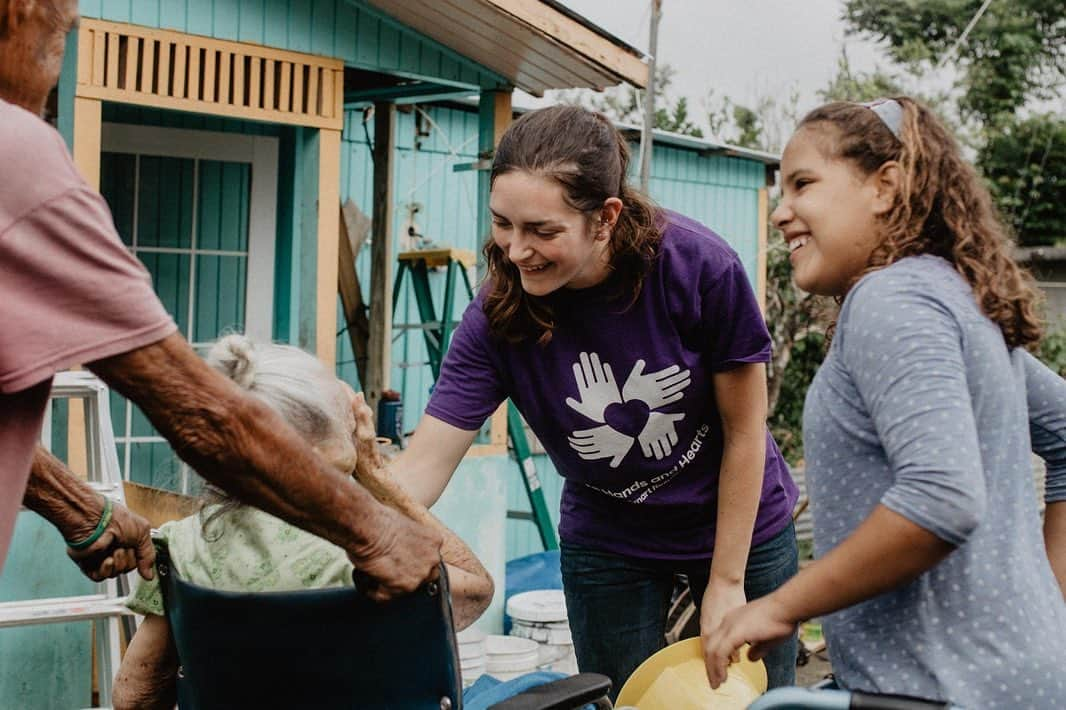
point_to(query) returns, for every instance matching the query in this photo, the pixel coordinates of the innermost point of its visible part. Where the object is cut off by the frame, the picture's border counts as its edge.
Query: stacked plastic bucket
(472, 655)
(540, 616)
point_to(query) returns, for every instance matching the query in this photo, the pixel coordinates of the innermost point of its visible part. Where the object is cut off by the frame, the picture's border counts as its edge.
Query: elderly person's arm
(245, 448)
(147, 678)
(471, 586)
(76, 510)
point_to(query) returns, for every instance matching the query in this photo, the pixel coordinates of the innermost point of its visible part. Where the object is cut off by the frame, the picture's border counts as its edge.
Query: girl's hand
(763, 623)
(720, 598)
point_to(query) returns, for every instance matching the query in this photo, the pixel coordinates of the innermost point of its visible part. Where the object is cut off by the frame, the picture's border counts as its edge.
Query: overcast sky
(743, 49)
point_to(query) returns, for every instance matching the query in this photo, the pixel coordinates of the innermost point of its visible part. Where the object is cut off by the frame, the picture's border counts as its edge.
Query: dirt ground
(816, 668)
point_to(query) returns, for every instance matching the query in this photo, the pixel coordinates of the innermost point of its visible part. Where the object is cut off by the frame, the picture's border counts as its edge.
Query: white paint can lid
(538, 605)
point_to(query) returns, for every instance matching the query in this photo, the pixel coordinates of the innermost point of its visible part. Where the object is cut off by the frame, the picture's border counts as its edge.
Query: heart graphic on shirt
(627, 417)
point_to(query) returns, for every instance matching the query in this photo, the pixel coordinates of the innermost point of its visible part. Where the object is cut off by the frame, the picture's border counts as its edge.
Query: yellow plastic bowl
(675, 678)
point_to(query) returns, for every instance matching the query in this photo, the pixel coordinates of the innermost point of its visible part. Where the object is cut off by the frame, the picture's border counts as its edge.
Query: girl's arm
(1046, 398)
(884, 552)
(471, 586)
(148, 674)
(741, 397)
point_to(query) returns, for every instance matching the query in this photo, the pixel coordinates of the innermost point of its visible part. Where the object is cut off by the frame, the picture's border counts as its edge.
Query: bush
(1052, 350)
(786, 422)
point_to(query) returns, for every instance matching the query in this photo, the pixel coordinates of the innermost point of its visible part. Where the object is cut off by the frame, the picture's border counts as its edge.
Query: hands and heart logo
(626, 415)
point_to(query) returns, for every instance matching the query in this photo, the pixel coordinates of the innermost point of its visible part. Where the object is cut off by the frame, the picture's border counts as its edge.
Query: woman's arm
(741, 397)
(1055, 540)
(148, 674)
(471, 586)
(433, 452)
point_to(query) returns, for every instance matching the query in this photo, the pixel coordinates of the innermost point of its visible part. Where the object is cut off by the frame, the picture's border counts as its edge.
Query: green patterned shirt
(245, 550)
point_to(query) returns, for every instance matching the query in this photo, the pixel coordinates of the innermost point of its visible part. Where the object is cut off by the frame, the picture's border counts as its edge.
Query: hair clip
(889, 111)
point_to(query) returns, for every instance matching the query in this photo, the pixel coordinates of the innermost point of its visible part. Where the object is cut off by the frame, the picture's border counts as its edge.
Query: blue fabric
(618, 605)
(486, 691)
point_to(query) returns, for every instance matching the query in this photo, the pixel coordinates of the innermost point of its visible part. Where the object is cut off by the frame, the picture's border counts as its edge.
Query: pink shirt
(70, 292)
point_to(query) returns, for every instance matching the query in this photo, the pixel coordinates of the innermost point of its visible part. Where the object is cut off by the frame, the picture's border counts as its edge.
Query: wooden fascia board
(577, 37)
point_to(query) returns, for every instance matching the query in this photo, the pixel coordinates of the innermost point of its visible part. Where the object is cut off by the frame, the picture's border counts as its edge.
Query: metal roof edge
(669, 138)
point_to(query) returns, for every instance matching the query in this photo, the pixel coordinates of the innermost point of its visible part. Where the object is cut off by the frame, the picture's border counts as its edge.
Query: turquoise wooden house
(226, 135)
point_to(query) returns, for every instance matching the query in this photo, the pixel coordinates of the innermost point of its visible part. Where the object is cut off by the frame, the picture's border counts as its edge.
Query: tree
(1025, 164)
(625, 104)
(1014, 54)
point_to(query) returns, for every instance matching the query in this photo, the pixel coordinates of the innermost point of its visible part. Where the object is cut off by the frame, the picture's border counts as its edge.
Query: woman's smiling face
(828, 214)
(552, 244)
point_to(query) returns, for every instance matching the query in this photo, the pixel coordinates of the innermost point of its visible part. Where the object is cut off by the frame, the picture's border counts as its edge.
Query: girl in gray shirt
(933, 574)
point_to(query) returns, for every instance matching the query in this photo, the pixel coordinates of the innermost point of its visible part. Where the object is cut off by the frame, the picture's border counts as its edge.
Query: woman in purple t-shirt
(630, 340)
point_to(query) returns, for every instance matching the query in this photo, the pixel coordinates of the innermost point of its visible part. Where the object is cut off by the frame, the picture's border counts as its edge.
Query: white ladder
(106, 606)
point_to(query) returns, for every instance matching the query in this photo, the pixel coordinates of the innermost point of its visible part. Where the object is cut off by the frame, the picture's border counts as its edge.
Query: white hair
(294, 383)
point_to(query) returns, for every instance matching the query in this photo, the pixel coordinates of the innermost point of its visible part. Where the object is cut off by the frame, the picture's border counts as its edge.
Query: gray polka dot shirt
(921, 407)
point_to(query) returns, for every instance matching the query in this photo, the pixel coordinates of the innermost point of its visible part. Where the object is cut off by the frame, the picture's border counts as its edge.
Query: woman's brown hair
(589, 157)
(942, 208)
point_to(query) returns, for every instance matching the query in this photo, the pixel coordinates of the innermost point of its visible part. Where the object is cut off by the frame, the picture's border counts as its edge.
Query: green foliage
(625, 104)
(786, 422)
(1015, 53)
(849, 85)
(1025, 164)
(1052, 350)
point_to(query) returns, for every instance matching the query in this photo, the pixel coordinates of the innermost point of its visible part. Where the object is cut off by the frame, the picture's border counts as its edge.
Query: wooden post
(354, 229)
(87, 127)
(761, 257)
(380, 355)
(329, 177)
(494, 116)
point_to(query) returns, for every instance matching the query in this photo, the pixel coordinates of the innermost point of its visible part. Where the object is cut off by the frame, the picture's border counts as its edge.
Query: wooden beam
(355, 227)
(88, 118)
(380, 355)
(329, 178)
(761, 257)
(495, 114)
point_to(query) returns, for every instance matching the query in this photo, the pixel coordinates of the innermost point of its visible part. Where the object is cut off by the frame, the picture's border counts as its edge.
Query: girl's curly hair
(942, 207)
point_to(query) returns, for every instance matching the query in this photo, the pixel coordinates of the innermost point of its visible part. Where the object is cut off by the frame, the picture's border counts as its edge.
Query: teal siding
(363, 37)
(448, 216)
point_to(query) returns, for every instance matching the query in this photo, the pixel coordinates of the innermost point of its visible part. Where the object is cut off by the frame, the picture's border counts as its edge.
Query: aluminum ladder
(106, 606)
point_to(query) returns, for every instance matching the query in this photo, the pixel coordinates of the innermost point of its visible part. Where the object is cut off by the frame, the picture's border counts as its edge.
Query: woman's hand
(763, 623)
(720, 598)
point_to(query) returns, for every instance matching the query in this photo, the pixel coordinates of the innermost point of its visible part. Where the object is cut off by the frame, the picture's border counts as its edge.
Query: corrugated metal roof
(537, 44)
(704, 145)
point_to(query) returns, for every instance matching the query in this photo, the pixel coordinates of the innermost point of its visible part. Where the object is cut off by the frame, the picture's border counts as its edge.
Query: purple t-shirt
(622, 399)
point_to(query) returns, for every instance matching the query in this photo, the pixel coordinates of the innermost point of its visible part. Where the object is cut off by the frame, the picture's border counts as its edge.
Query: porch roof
(536, 44)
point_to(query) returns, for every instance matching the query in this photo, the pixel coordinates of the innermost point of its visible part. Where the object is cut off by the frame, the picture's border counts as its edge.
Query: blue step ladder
(437, 334)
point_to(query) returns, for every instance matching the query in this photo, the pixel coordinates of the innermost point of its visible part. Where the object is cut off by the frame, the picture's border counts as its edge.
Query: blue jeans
(617, 605)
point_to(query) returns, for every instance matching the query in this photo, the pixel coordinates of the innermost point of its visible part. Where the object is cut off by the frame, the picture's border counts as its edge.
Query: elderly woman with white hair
(233, 547)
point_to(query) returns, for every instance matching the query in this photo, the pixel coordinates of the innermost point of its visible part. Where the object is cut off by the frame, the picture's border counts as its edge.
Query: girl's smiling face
(829, 212)
(552, 244)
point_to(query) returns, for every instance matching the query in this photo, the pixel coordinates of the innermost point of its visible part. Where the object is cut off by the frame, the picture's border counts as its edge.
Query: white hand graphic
(596, 386)
(601, 443)
(658, 436)
(656, 388)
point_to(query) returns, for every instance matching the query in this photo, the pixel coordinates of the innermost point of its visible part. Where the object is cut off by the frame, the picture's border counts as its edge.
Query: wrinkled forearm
(64, 500)
(240, 444)
(471, 585)
(147, 677)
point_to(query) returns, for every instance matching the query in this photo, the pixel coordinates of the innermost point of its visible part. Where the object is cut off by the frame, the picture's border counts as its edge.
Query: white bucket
(540, 616)
(510, 656)
(472, 656)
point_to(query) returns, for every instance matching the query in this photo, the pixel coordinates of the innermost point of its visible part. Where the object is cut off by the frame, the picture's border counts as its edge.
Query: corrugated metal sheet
(332, 28)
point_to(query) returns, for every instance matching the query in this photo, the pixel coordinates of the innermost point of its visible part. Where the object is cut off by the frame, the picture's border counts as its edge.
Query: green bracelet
(105, 519)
